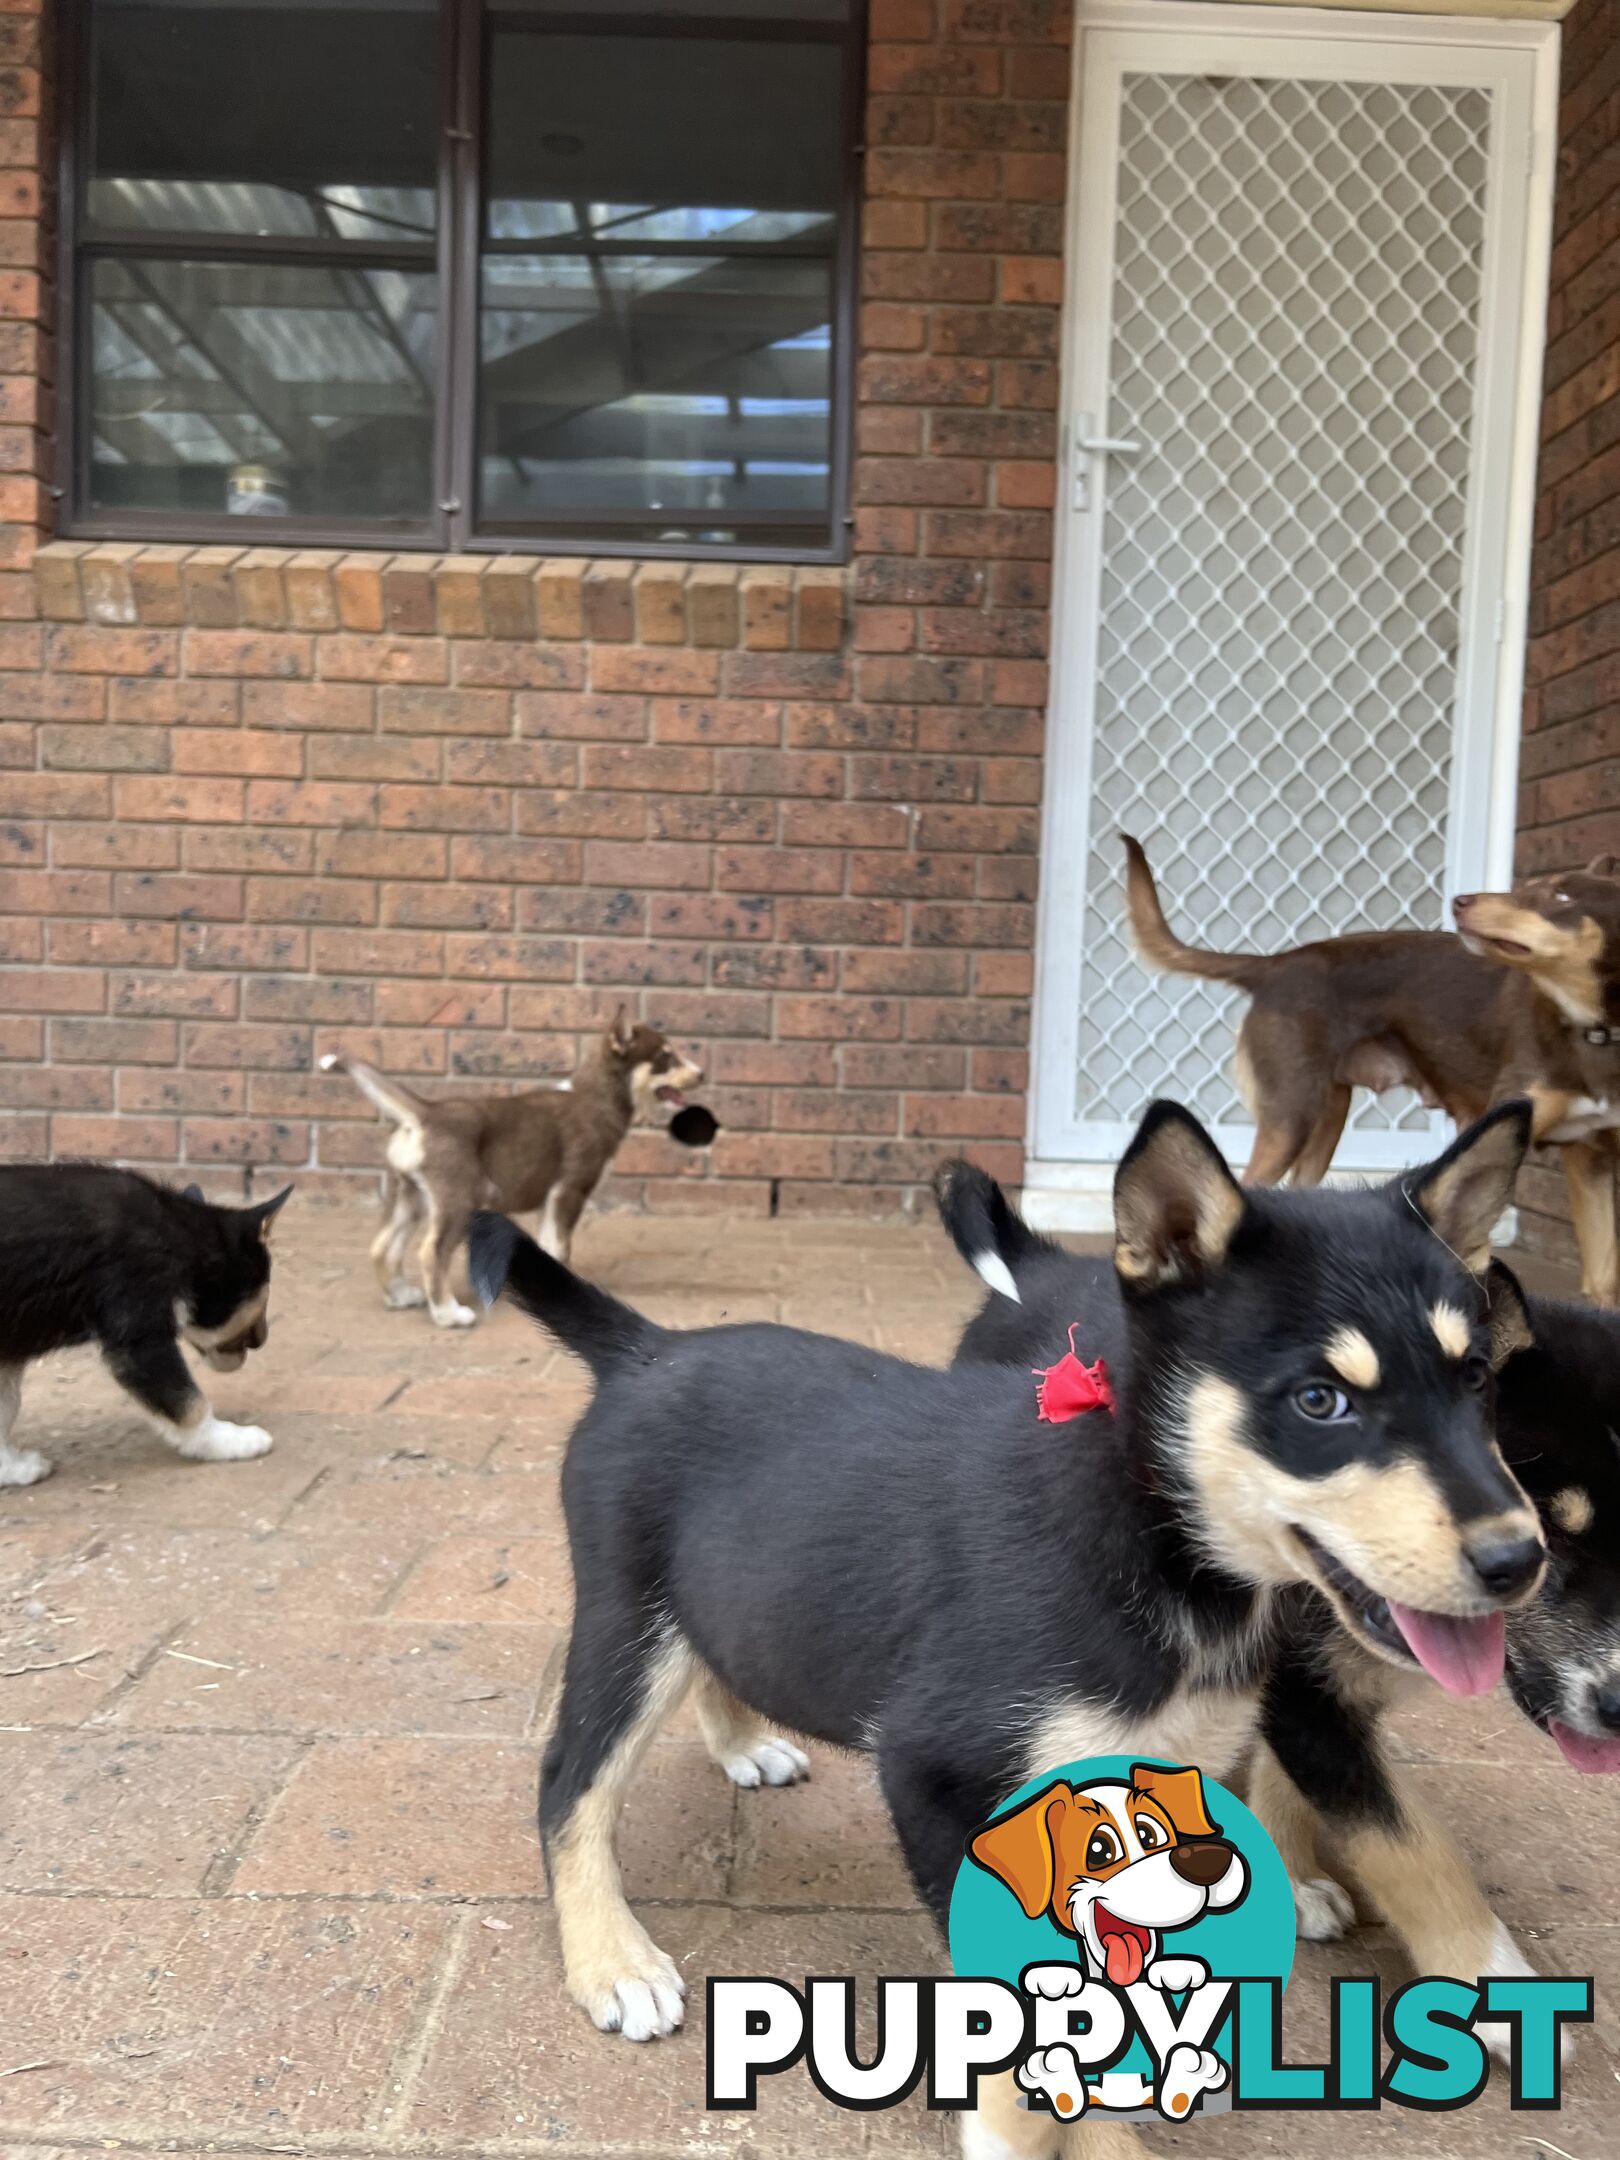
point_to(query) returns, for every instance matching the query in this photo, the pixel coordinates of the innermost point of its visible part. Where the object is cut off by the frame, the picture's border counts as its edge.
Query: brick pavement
(266, 1852)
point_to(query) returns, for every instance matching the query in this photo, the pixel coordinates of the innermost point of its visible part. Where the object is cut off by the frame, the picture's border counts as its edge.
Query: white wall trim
(1394, 25)
(1079, 1198)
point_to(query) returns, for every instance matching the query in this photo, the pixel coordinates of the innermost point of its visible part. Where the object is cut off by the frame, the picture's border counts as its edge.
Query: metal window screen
(1295, 312)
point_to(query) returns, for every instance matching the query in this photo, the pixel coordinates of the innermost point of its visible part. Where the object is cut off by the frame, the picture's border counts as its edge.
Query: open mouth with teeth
(671, 1095)
(1464, 1653)
(1125, 1946)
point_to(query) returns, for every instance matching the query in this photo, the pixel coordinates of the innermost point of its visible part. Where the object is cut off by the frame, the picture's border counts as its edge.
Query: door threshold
(1078, 1198)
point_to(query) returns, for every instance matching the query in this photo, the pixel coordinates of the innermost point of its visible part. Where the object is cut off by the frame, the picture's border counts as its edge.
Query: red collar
(1068, 1388)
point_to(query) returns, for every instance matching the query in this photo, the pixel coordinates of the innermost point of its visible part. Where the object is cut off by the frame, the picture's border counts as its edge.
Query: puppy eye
(1150, 1832)
(1323, 1404)
(1102, 1850)
(1476, 1375)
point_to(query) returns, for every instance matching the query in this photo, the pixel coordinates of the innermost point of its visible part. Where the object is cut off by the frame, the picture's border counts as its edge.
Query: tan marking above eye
(1353, 1358)
(1452, 1331)
(1572, 1510)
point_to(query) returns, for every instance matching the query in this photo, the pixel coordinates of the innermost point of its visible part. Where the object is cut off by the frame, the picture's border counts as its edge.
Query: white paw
(22, 1466)
(767, 1762)
(647, 2004)
(1052, 1982)
(1504, 1960)
(453, 1315)
(218, 1440)
(1324, 1908)
(402, 1296)
(1176, 1974)
(1055, 2072)
(1188, 2071)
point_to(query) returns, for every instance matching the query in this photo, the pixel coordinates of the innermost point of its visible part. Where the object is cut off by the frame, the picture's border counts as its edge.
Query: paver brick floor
(268, 1739)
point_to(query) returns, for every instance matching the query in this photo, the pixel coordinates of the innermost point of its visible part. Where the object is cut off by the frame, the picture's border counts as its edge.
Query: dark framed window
(461, 273)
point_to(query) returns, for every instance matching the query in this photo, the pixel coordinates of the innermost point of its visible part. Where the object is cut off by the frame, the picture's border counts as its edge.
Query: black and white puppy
(1324, 1761)
(819, 1538)
(89, 1254)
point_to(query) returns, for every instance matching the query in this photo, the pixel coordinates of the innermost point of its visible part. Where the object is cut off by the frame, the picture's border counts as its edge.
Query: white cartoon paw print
(1055, 2071)
(1188, 2071)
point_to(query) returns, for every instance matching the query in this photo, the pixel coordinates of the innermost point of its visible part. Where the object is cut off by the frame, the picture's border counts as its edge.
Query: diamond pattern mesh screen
(1295, 305)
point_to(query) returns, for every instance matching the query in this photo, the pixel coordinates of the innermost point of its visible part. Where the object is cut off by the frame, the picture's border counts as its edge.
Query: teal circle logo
(1124, 1896)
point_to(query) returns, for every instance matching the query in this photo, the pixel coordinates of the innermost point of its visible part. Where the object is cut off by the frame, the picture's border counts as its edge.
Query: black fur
(878, 1554)
(89, 1253)
(1557, 1412)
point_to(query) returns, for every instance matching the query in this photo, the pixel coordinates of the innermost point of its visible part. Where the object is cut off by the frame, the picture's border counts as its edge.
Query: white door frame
(1061, 1192)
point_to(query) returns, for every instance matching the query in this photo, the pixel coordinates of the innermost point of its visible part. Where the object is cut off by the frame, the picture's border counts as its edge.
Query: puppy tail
(1157, 945)
(393, 1100)
(596, 1327)
(984, 1226)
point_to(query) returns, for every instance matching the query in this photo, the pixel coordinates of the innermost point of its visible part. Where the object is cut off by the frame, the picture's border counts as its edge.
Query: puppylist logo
(1122, 1933)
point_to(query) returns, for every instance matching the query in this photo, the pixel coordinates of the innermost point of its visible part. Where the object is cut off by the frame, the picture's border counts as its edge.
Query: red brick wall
(1570, 765)
(448, 812)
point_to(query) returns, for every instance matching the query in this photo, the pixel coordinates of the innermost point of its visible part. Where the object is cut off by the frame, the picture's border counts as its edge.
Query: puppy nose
(1463, 902)
(1607, 1705)
(1506, 1564)
(1203, 1863)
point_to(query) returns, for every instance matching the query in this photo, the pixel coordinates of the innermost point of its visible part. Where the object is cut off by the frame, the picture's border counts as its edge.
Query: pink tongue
(1124, 1955)
(1584, 1752)
(1465, 1656)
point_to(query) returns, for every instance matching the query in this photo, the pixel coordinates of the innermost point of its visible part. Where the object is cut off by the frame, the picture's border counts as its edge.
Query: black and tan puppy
(819, 1538)
(1524, 1001)
(544, 1150)
(1557, 1408)
(93, 1254)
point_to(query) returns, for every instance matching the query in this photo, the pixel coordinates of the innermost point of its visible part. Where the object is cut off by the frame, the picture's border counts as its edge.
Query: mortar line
(132, 1676)
(410, 2057)
(221, 1870)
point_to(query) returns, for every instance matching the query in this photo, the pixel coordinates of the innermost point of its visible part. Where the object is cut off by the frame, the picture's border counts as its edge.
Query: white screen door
(1299, 274)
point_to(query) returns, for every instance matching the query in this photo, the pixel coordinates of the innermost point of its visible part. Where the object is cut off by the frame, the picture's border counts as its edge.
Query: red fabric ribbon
(1068, 1389)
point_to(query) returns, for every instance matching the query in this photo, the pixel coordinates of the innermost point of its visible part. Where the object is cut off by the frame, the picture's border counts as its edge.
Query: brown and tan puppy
(1525, 1001)
(544, 1150)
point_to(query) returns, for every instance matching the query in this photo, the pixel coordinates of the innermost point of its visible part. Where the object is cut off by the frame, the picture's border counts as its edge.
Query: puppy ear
(619, 1032)
(1510, 1324)
(1603, 866)
(1461, 1196)
(1181, 1794)
(262, 1216)
(1017, 1849)
(1176, 1204)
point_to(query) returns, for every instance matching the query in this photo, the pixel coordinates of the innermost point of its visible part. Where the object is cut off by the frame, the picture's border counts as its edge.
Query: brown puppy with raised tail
(544, 1150)
(1526, 1001)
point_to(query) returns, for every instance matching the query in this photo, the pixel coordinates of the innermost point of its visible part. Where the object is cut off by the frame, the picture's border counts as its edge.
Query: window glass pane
(723, 127)
(658, 283)
(308, 117)
(671, 398)
(261, 390)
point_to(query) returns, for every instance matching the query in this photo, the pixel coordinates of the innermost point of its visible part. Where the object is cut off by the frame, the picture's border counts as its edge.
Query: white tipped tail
(391, 1099)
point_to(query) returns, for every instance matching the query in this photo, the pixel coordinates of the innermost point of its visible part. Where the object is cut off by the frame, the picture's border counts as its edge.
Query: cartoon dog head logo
(1116, 1864)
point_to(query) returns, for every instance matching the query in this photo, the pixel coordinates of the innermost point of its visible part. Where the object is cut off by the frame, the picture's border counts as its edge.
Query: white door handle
(1088, 445)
